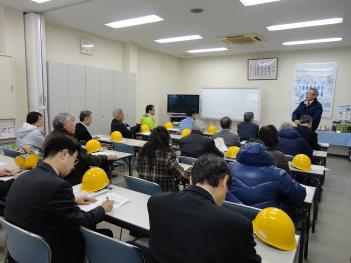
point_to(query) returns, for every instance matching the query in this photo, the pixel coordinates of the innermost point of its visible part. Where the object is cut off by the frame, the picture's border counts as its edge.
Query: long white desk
(131, 142)
(135, 214)
(176, 137)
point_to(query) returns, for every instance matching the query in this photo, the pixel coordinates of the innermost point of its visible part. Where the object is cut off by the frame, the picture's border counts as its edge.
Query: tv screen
(177, 103)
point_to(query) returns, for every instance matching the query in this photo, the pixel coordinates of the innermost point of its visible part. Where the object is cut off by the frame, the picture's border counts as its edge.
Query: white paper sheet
(220, 144)
(118, 201)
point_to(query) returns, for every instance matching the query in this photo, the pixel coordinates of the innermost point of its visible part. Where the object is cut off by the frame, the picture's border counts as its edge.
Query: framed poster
(7, 129)
(262, 69)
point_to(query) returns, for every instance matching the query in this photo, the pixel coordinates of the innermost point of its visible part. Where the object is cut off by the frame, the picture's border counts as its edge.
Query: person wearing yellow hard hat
(258, 183)
(118, 124)
(64, 123)
(230, 139)
(157, 162)
(215, 233)
(274, 227)
(48, 205)
(148, 117)
(187, 123)
(197, 144)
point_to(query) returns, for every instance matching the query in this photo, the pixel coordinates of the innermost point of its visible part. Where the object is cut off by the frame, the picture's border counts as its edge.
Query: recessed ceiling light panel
(135, 21)
(217, 49)
(256, 2)
(312, 41)
(178, 39)
(321, 22)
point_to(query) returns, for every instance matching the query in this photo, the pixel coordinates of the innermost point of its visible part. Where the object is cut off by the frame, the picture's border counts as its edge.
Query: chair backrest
(121, 147)
(11, 153)
(244, 210)
(25, 246)
(103, 249)
(142, 186)
(187, 160)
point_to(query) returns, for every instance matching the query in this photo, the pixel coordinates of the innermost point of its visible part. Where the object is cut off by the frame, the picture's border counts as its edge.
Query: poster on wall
(344, 112)
(321, 76)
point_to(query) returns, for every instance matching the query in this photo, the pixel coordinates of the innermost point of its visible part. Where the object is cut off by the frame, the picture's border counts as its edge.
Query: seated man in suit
(306, 132)
(187, 123)
(82, 133)
(117, 124)
(197, 144)
(248, 129)
(213, 233)
(230, 139)
(42, 202)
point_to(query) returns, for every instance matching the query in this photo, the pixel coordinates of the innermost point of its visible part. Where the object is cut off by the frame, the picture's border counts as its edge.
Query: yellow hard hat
(232, 152)
(185, 132)
(302, 162)
(144, 128)
(168, 125)
(212, 129)
(116, 136)
(93, 146)
(94, 180)
(27, 162)
(274, 227)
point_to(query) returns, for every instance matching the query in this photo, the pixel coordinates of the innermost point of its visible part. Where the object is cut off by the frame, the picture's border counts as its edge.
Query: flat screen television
(179, 103)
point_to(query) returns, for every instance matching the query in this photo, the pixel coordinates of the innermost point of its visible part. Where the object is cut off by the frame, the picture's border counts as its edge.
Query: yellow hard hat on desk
(301, 162)
(93, 146)
(274, 227)
(26, 162)
(212, 129)
(116, 136)
(185, 132)
(144, 128)
(232, 152)
(94, 180)
(168, 125)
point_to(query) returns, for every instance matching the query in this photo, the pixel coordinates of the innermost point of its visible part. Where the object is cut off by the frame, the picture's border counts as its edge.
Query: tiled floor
(332, 241)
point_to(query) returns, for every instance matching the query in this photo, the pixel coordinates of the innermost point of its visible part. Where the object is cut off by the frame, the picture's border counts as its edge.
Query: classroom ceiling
(220, 18)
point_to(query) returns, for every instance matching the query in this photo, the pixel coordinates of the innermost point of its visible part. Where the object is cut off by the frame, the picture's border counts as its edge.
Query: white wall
(231, 71)
(12, 44)
(157, 74)
(63, 45)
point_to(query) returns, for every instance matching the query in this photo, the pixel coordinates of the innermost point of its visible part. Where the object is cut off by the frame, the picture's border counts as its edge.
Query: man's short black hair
(305, 119)
(60, 142)
(210, 169)
(248, 116)
(190, 112)
(83, 114)
(33, 117)
(149, 108)
(225, 122)
(269, 136)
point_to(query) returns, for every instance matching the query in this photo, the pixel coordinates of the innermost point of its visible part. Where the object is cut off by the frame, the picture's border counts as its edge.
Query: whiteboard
(216, 103)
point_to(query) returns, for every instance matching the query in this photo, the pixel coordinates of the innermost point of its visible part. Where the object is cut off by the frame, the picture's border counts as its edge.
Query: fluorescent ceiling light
(135, 21)
(40, 1)
(178, 39)
(321, 22)
(313, 41)
(207, 50)
(256, 2)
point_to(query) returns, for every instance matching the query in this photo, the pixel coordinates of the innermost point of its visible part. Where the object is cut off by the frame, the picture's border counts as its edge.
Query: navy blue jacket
(258, 183)
(315, 110)
(291, 143)
(247, 130)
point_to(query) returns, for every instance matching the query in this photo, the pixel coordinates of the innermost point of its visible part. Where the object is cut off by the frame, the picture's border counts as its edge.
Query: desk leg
(307, 230)
(317, 199)
(130, 166)
(302, 240)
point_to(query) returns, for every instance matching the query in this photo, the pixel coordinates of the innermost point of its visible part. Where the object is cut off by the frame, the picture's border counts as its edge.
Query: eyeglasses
(76, 161)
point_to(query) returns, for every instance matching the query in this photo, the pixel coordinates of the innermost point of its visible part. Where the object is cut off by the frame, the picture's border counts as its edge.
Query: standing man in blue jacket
(310, 106)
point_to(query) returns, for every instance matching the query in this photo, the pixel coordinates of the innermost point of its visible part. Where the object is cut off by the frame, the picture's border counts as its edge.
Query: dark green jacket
(85, 161)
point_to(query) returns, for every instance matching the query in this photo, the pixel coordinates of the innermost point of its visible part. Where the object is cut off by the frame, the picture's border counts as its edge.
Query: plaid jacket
(165, 170)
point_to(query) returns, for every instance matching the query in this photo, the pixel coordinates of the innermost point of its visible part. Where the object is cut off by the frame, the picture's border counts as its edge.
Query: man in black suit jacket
(82, 133)
(117, 124)
(197, 144)
(42, 202)
(247, 129)
(191, 227)
(306, 132)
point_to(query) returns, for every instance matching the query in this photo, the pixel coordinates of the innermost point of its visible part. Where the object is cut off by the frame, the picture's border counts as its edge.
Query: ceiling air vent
(242, 39)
